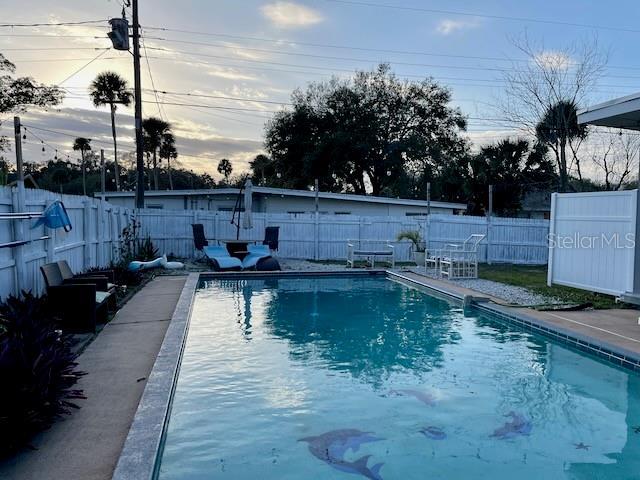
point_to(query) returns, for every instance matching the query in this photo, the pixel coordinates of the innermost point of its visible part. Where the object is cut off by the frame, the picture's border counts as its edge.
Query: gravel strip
(508, 293)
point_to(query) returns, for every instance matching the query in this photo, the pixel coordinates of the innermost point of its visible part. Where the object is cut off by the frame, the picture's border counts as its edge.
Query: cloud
(291, 15)
(553, 60)
(447, 27)
(197, 149)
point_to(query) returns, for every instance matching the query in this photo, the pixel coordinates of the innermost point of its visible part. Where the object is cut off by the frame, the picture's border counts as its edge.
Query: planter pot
(418, 257)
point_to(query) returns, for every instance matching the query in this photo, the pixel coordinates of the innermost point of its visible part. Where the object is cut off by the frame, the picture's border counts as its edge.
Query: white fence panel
(302, 236)
(592, 245)
(93, 241)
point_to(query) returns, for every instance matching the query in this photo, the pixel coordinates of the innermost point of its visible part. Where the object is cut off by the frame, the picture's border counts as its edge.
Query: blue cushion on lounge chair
(256, 253)
(222, 257)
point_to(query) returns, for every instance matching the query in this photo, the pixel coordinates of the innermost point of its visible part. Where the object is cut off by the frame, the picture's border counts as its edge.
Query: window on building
(156, 206)
(342, 213)
(416, 214)
(295, 212)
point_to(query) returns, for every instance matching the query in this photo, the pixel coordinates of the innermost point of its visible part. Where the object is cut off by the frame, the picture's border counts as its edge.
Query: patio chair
(79, 301)
(217, 256)
(259, 258)
(461, 261)
(271, 235)
(104, 279)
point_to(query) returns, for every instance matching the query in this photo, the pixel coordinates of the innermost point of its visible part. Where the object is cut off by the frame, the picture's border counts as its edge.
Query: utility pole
(19, 206)
(137, 85)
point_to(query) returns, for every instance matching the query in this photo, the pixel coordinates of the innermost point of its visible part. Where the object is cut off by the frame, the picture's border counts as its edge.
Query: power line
(327, 57)
(358, 48)
(330, 71)
(51, 24)
(84, 66)
(144, 46)
(215, 107)
(222, 97)
(483, 15)
(43, 49)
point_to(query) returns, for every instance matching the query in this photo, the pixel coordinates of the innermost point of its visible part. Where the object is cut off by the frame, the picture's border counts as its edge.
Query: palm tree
(168, 151)
(83, 144)
(225, 168)
(109, 88)
(154, 129)
(557, 129)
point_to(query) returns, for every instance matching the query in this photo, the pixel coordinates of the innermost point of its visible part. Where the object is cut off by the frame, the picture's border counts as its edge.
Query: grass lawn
(534, 278)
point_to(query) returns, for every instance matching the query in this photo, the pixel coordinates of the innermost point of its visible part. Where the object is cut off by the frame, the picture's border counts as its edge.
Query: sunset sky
(258, 51)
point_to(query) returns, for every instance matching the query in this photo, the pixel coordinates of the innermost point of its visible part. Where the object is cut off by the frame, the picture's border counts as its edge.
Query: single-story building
(281, 200)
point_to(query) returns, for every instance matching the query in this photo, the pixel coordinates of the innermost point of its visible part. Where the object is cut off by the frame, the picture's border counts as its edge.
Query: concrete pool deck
(617, 329)
(86, 445)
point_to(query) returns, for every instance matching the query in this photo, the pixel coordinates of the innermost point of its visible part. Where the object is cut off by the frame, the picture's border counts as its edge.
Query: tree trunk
(564, 180)
(116, 170)
(84, 175)
(169, 172)
(155, 171)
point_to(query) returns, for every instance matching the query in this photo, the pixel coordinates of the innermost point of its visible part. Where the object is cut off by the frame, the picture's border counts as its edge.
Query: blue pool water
(363, 377)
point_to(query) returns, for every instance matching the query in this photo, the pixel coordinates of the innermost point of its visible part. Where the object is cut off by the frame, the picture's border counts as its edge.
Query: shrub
(414, 237)
(38, 372)
(146, 250)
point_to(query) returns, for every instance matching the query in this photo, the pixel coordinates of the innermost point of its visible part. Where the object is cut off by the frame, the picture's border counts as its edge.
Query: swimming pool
(340, 377)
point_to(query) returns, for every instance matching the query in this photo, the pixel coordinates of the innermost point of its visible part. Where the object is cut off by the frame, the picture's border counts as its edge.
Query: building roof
(292, 193)
(621, 112)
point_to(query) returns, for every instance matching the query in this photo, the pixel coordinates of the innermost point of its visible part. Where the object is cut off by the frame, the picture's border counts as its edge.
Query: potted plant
(418, 244)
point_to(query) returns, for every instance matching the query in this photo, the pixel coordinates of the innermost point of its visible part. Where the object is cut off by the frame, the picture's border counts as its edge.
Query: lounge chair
(271, 235)
(259, 258)
(217, 256)
(79, 301)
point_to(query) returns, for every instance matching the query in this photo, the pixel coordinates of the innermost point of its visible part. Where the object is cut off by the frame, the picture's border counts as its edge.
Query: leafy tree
(154, 130)
(374, 133)
(262, 168)
(83, 145)
(16, 94)
(225, 168)
(557, 129)
(513, 167)
(109, 88)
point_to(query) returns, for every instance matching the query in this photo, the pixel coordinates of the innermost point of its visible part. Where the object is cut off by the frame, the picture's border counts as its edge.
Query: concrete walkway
(87, 444)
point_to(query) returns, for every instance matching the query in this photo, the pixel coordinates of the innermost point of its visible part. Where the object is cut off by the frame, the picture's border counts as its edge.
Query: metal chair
(461, 261)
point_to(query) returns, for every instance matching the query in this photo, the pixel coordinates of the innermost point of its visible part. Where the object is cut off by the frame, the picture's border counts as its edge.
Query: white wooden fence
(591, 241)
(305, 236)
(93, 241)
(97, 225)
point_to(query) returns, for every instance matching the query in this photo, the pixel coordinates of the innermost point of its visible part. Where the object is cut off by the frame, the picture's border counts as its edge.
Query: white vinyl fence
(591, 243)
(305, 236)
(97, 226)
(93, 240)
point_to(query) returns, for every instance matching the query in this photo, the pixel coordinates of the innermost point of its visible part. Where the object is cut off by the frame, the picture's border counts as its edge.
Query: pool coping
(615, 354)
(139, 457)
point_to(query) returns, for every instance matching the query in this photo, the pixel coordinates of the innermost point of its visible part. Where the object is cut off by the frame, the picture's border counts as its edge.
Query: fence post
(552, 231)
(19, 205)
(50, 245)
(86, 234)
(100, 213)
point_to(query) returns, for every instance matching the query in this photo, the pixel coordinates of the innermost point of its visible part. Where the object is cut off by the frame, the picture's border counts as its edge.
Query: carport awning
(619, 113)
